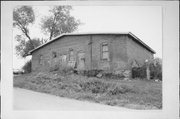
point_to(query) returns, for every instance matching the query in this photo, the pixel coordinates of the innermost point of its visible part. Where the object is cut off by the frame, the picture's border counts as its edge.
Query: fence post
(147, 70)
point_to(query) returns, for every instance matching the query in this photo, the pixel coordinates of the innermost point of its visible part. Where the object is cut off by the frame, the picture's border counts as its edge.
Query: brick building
(113, 52)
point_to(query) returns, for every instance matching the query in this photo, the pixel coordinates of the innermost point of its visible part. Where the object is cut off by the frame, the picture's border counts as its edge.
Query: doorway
(81, 61)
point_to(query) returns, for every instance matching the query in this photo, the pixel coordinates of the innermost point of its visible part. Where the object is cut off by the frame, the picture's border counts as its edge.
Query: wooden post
(90, 43)
(147, 70)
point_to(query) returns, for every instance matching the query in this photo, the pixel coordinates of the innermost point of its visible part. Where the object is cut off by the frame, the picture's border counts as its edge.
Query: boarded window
(105, 52)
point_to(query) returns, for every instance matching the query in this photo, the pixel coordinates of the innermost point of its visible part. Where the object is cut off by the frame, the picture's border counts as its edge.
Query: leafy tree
(22, 17)
(156, 68)
(27, 67)
(24, 46)
(59, 21)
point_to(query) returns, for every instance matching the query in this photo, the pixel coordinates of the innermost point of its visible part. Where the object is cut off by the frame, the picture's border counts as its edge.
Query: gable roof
(80, 34)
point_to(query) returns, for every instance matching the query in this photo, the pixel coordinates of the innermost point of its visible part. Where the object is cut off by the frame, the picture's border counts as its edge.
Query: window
(40, 59)
(105, 51)
(54, 54)
(71, 55)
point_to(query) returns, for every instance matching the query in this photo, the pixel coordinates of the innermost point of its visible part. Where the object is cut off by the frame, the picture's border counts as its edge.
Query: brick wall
(61, 47)
(97, 62)
(122, 50)
(119, 50)
(136, 52)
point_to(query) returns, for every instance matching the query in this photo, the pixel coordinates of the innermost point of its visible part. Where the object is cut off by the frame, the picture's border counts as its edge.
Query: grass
(136, 94)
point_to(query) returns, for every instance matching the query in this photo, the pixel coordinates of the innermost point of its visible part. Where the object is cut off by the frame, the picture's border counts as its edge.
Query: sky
(143, 21)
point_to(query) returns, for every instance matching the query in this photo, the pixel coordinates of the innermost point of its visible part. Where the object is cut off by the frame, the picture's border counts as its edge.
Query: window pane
(71, 56)
(105, 55)
(105, 47)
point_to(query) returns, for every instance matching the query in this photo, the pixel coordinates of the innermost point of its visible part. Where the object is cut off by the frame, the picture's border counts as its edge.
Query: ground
(134, 94)
(30, 100)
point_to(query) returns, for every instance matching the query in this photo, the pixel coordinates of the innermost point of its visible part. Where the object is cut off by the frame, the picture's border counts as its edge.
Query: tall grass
(145, 94)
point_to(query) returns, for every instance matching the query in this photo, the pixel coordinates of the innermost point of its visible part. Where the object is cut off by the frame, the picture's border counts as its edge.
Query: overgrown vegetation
(137, 94)
(155, 68)
(102, 74)
(27, 67)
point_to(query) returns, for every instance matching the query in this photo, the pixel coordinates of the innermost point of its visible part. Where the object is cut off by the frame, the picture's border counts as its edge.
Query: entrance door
(81, 61)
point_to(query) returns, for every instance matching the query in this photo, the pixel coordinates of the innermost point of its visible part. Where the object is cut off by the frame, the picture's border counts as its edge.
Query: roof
(77, 34)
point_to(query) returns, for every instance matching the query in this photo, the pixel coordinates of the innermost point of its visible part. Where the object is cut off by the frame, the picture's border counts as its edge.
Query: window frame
(40, 59)
(106, 51)
(71, 56)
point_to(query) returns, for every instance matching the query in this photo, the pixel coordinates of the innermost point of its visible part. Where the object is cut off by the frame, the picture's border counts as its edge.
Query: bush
(139, 72)
(66, 70)
(27, 67)
(113, 76)
(155, 71)
(155, 67)
(92, 73)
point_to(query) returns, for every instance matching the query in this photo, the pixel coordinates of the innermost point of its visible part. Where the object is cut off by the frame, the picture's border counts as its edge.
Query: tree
(156, 68)
(59, 21)
(27, 67)
(24, 46)
(22, 18)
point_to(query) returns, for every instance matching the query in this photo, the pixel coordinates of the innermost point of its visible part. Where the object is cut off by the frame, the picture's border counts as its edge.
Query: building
(112, 52)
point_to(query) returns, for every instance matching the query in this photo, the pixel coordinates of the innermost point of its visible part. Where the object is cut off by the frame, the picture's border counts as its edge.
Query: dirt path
(30, 100)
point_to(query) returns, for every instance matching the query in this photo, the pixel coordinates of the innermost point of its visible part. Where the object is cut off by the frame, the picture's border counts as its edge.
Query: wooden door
(81, 61)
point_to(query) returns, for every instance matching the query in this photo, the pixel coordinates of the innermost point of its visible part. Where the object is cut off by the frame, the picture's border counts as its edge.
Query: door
(81, 61)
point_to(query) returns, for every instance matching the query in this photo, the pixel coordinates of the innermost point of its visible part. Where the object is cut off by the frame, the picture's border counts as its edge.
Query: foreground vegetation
(135, 94)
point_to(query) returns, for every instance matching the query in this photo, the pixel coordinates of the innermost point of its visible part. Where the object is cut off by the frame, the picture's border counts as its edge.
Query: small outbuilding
(112, 52)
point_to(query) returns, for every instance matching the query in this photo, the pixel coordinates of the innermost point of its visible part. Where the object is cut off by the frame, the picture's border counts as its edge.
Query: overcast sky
(143, 21)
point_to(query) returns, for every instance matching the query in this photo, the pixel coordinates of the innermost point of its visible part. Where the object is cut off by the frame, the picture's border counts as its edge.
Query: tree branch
(24, 30)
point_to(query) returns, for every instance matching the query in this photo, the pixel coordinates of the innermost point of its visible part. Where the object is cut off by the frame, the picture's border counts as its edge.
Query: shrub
(95, 72)
(27, 67)
(92, 73)
(66, 70)
(139, 72)
(113, 76)
(155, 68)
